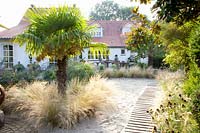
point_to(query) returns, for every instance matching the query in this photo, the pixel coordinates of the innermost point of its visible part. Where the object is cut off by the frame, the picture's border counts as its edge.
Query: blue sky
(11, 11)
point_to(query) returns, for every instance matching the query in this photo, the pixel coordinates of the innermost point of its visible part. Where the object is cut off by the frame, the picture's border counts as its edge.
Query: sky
(11, 11)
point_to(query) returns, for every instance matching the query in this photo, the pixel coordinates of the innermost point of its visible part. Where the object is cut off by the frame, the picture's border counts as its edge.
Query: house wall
(20, 55)
(113, 52)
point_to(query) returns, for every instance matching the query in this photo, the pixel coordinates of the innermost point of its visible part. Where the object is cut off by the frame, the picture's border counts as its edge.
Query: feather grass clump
(41, 104)
(132, 72)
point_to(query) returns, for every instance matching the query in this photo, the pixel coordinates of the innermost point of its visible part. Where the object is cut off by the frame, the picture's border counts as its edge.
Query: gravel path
(127, 91)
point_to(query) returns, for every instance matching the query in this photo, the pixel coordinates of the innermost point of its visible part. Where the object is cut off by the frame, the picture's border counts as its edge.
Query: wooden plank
(139, 129)
(141, 123)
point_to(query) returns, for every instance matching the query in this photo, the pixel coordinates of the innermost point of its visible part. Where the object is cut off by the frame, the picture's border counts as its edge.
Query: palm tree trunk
(61, 75)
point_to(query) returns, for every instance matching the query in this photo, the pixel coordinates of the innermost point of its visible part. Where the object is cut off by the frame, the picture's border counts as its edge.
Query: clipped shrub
(25, 75)
(41, 104)
(101, 67)
(49, 74)
(19, 67)
(114, 66)
(7, 78)
(142, 65)
(80, 70)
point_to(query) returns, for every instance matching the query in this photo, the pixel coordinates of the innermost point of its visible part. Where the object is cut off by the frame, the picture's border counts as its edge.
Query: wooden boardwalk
(140, 121)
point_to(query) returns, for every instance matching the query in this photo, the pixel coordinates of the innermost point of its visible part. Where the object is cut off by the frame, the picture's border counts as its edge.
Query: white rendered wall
(117, 51)
(21, 55)
(113, 52)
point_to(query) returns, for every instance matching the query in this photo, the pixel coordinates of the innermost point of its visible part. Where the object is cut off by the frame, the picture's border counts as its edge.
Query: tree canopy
(179, 11)
(109, 10)
(143, 39)
(181, 44)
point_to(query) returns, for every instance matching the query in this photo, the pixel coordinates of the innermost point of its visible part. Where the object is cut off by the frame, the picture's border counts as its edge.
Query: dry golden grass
(170, 80)
(43, 106)
(108, 72)
(122, 72)
(133, 72)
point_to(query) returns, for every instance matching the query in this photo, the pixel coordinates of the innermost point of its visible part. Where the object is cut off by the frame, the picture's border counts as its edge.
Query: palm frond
(2, 26)
(55, 32)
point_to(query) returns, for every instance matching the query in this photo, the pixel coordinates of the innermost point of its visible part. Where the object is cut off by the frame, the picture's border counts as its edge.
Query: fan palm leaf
(56, 33)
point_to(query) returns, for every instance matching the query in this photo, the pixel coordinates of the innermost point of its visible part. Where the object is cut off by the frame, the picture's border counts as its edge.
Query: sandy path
(127, 92)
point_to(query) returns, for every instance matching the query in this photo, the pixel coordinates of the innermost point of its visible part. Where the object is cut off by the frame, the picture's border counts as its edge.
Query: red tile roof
(112, 31)
(14, 31)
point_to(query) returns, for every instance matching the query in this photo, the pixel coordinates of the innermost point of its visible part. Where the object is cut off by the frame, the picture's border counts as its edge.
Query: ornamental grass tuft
(42, 106)
(132, 72)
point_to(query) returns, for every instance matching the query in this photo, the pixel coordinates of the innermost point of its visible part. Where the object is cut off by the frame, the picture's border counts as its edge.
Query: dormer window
(97, 31)
(126, 29)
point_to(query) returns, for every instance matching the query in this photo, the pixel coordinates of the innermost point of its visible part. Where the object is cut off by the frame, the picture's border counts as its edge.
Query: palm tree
(57, 33)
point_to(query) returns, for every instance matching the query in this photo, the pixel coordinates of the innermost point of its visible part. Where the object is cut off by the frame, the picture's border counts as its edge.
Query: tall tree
(124, 13)
(181, 44)
(109, 10)
(143, 39)
(57, 33)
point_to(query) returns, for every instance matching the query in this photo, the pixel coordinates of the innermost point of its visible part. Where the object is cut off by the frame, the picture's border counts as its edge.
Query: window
(123, 52)
(97, 32)
(126, 29)
(98, 55)
(106, 54)
(90, 55)
(8, 56)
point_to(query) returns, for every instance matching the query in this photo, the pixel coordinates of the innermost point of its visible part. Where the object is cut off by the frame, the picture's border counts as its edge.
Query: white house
(113, 34)
(110, 32)
(11, 53)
